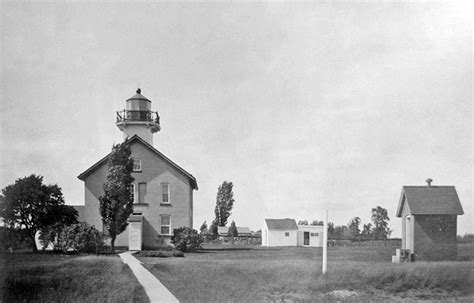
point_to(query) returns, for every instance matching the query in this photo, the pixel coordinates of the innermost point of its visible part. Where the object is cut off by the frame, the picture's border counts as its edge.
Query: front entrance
(135, 235)
(306, 238)
(409, 234)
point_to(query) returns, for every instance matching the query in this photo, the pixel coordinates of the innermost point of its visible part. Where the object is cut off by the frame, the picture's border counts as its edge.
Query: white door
(135, 236)
(409, 233)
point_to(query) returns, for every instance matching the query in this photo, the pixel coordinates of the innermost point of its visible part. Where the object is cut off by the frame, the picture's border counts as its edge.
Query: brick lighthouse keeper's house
(429, 221)
(162, 191)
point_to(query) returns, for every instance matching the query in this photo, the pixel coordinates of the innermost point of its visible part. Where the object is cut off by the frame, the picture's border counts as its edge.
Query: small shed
(429, 221)
(310, 235)
(279, 232)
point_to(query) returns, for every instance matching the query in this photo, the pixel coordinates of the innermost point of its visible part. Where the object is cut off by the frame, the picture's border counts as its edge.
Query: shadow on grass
(226, 249)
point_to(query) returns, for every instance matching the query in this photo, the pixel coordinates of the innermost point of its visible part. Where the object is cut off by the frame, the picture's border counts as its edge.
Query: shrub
(186, 239)
(160, 254)
(80, 237)
(14, 238)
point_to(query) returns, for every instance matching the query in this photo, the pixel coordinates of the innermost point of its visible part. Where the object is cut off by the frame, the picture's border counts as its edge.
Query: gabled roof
(430, 200)
(131, 140)
(280, 224)
(224, 230)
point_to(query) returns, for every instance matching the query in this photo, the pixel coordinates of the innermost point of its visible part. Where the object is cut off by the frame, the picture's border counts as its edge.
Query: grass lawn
(249, 274)
(29, 277)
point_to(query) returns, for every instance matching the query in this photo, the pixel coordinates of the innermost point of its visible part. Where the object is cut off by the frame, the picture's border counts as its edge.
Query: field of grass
(249, 274)
(29, 277)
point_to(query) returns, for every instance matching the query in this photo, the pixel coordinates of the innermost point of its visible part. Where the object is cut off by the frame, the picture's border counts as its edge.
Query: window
(165, 225)
(287, 234)
(132, 192)
(137, 165)
(165, 193)
(314, 234)
(141, 192)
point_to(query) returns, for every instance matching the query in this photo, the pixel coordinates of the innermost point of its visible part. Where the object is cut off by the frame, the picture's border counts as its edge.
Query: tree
(54, 221)
(31, 205)
(186, 239)
(304, 222)
(316, 222)
(331, 230)
(233, 230)
(116, 204)
(340, 232)
(224, 203)
(213, 229)
(353, 228)
(367, 231)
(203, 228)
(380, 219)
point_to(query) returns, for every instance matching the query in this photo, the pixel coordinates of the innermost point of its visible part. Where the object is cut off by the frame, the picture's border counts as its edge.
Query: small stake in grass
(325, 243)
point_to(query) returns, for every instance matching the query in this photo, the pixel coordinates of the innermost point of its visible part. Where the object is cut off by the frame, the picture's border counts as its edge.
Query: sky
(303, 106)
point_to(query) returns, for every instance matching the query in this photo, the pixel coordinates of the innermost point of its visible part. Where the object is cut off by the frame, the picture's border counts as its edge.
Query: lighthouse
(162, 191)
(138, 119)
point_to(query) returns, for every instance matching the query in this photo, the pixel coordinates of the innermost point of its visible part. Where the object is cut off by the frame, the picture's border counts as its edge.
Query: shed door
(306, 238)
(409, 234)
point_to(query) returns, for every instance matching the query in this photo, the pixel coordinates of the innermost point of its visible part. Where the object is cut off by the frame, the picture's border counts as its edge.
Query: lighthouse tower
(138, 119)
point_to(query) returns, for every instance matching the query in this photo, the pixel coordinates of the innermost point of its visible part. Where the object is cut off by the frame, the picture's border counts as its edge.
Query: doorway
(409, 234)
(306, 238)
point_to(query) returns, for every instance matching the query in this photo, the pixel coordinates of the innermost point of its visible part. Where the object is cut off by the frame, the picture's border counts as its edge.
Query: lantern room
(138, 119)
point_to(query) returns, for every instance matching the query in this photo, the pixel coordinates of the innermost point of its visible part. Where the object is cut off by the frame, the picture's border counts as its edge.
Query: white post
(325, 243)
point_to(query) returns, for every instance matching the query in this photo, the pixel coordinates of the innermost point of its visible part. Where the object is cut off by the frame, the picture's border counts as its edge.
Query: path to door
(156, 291)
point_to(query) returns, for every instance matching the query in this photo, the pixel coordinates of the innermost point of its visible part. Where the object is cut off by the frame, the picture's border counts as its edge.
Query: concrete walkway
(156, 291)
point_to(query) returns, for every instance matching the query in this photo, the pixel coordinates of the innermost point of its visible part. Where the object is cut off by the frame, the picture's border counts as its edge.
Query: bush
(80, 237)
(14, 238)
(49, 235)
(186, 239)
(160, 254)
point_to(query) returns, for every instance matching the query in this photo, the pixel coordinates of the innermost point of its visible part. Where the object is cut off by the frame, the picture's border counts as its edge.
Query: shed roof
(430, 200)
(281, 224)
(136, 138)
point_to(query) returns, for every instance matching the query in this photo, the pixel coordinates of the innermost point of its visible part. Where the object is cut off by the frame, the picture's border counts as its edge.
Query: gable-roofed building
(162, 190)
(429, 221)
(223, 231)
(285, 232)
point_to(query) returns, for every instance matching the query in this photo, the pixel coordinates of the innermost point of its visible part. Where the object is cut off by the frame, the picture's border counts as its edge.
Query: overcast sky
(303, 106)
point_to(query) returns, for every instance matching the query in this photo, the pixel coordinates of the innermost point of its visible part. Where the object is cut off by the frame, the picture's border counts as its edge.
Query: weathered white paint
(282, 237)
(315, 235)
(292, 237)
(135, 235)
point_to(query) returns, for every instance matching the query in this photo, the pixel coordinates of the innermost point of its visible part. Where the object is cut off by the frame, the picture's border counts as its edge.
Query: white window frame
(139, 166)
(163, 193)
(287, 233)
(162, 225)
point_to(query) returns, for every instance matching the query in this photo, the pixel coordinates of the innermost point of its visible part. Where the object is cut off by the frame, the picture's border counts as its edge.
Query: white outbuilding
(310, 235)
(285, 232)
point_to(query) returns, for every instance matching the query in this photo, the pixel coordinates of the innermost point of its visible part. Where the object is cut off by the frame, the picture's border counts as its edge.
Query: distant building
(429, 221)
(162, 191)
(223, 231)
(285, 232)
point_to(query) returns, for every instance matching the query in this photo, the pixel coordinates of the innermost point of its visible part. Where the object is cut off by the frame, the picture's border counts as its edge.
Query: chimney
(429, 180)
